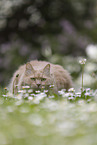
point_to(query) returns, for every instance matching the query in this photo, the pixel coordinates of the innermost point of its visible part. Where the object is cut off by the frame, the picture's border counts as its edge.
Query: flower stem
(82, 76)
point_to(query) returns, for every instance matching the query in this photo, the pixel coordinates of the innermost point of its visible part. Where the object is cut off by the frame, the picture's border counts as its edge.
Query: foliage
(49, 120)
(42, 29)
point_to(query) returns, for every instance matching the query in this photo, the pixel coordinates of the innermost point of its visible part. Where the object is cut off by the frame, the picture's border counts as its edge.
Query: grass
(43, 118)
(68, 118)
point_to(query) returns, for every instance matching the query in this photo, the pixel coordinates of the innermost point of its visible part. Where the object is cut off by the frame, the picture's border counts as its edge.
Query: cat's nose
(38, 85)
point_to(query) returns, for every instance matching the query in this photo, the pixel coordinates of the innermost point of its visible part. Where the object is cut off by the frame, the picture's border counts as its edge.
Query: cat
(40, 74)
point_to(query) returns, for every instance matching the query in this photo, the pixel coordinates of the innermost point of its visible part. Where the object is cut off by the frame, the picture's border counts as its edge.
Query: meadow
(60, 32)
(44, 118)
(40, 118)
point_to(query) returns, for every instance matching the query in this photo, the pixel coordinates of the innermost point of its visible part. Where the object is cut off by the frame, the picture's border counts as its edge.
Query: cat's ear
(46, 70)
(29, 69)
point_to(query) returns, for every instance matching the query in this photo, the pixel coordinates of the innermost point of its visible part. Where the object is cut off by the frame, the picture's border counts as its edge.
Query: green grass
(50, 121)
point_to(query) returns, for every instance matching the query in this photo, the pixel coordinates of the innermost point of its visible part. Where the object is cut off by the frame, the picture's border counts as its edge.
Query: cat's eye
(33, 79)
(43, 79)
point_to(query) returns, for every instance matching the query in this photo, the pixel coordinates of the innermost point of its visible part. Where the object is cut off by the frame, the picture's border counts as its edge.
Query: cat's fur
(40, 73)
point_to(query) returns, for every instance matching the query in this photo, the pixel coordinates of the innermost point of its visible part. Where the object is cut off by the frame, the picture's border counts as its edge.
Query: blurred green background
(59, 31)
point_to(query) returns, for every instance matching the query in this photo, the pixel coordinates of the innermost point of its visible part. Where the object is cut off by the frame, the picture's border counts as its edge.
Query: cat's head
(36, 78)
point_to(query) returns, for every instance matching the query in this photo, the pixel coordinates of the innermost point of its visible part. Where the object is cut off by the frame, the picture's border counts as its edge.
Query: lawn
(67, 118)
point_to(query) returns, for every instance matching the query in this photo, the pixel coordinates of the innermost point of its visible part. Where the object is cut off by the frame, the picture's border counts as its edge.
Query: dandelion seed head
(82, 61)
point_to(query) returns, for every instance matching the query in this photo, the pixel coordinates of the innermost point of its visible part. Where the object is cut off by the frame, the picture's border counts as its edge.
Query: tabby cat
(40, 74)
